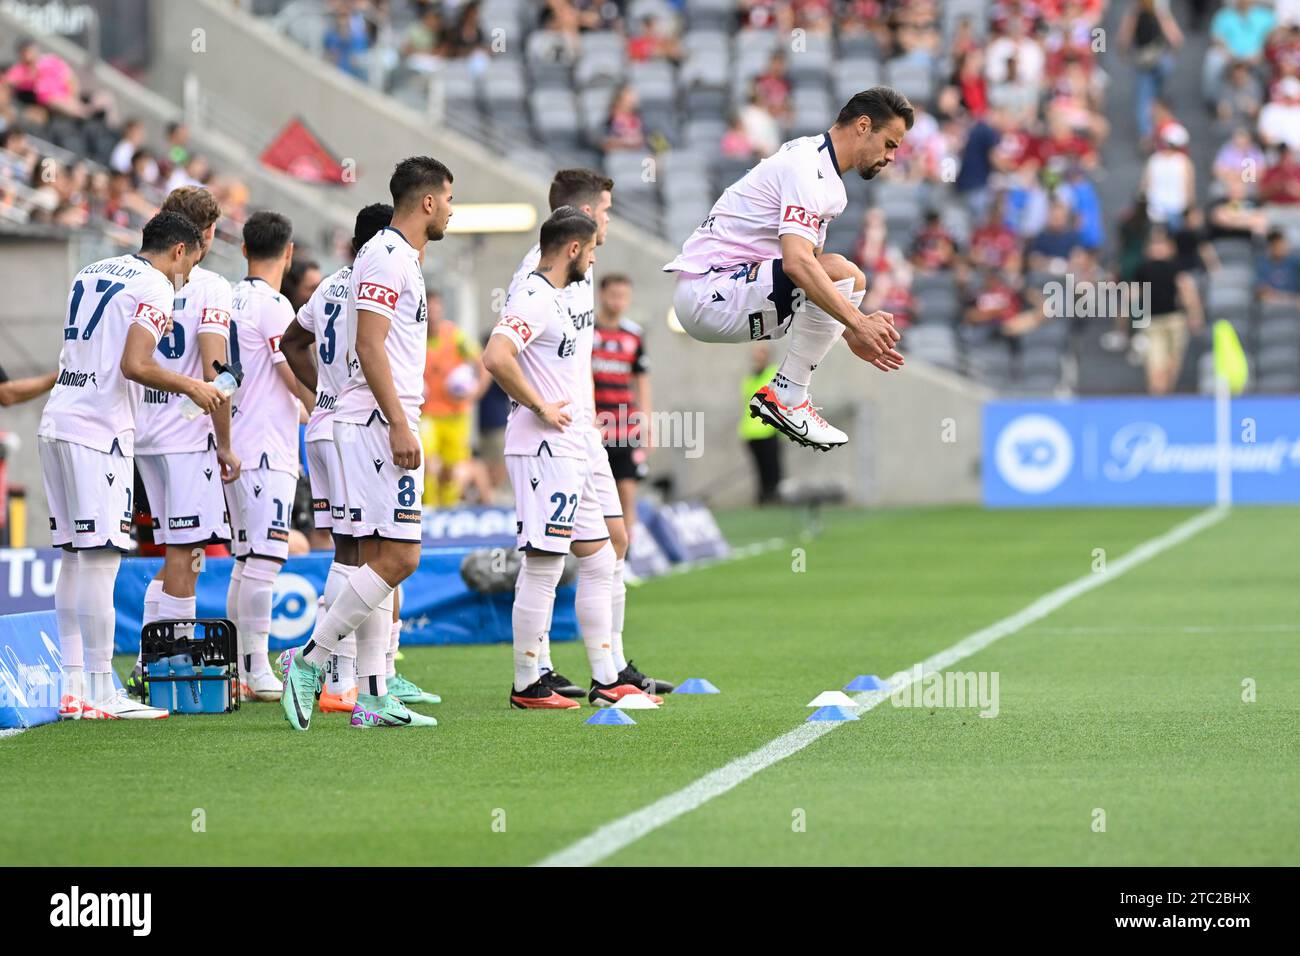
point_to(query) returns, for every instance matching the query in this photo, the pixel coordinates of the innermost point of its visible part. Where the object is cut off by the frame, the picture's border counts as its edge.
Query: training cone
(696, 685)
(832, 712)
(832, 698)
(609, 716)
(866, 682)
(636, 702)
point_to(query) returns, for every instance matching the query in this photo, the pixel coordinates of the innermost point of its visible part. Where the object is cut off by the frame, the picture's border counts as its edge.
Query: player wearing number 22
(533, 353)
(264, 434)
(118, 310)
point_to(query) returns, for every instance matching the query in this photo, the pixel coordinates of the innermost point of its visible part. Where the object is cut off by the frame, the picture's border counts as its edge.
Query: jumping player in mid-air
(756, 268)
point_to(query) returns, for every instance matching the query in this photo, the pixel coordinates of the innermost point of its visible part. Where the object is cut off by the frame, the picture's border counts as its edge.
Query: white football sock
(544, 656)
(394, 641)
(813, 334)
(152, 594)
(178, 609)
(365, 590)
(232, 606)
(96, 575)
(255, 593)
(65, 609)
(341, 674)
(534, 598)
(618, 605)
(594, 606)
(373, 636)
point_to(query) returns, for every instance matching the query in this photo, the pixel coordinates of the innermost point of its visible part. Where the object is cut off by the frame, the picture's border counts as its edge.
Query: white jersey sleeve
(802, 214)
(214, 306)
(525, 315)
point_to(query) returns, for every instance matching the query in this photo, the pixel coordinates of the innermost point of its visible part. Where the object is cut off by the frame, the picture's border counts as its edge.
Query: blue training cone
(866, 682)
(832, 712)
(696, 685)
(609, 715)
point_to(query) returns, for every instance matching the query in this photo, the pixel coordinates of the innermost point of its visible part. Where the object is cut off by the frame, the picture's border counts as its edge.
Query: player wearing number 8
(264, 431)
(376, 431)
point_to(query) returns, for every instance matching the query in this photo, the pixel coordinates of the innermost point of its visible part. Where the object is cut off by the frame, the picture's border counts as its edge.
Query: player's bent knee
(838, 267)
(397, 560)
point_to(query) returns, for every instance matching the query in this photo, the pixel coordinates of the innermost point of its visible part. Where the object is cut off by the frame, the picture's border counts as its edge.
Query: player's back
(799, 185)
(201, 307)
(264, 414)
(325, 316)
(387, 279)
(536, 319)
(92, 402)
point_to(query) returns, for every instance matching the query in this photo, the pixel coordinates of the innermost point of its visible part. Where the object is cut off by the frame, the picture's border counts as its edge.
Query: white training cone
(833, 698)
(636, 702)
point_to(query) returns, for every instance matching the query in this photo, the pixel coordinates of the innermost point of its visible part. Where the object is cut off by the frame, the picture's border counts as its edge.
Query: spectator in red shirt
(971, 84)
(932, 246)
(773, 87)
(1280, 183)
(653, 43)
(623, 127)
(997, 303)
(994, 245)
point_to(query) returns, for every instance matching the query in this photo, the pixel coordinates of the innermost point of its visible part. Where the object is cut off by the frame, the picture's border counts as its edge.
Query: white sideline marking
(1176, 629)
(10, 732)
(612, 837)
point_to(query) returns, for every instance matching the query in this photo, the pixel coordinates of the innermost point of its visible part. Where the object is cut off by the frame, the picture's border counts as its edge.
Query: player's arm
(138, 365)
(876, 331)
(20, 390)
(500, 358)
(372, 332)
(214, 348)
(297, 347)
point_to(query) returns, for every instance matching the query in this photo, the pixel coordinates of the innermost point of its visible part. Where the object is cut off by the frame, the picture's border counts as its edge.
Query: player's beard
(435, 232)
(574, 274)
(870, 171)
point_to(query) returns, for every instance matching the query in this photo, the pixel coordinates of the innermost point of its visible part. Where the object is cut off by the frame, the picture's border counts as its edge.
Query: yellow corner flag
(1229, 359)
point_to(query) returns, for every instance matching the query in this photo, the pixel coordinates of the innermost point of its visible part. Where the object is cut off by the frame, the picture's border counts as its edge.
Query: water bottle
(228, 379)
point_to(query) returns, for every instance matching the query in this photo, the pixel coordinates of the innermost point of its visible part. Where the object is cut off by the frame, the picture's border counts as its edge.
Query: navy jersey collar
(830, 148)
(543, 278)
(399, 232)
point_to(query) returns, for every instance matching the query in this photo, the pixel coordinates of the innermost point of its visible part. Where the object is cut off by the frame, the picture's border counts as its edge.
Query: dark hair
(566, 225)
(266, 234)
(578, 187)
(1274, 235)
(194, 203)
(614, 278)
(881, 104)
(416, 175)
(166, 229)
(293, 276)
(369, 221)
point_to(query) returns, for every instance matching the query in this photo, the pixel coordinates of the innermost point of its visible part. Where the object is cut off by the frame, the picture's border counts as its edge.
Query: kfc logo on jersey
(518, 325)
(376, 294)
(803, 217)
(153, 315)
(274, 342)
(215, 317)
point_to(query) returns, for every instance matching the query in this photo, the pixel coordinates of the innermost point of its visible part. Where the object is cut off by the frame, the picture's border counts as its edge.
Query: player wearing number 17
(118, 310)
(377, 434)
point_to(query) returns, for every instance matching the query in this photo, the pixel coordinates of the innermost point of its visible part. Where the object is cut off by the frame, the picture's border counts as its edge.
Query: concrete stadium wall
(36, 269)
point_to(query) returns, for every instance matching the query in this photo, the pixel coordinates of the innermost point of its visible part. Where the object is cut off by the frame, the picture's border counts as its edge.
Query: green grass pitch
(1128, 700)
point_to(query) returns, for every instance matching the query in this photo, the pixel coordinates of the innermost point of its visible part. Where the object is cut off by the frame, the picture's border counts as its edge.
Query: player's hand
(229, 463)
(872, 339)
(405, 447)
(205, 395)
(553, 414)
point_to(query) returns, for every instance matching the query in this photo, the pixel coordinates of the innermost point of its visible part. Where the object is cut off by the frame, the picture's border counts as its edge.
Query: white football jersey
(93, 404)
(325, 316)
(202, 307)
(387, 280)
(796, 190)
(537, 321)
(580, 301)
(264, 417)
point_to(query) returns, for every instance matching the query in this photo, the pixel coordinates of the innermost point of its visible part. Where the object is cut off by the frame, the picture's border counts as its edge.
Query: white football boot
(262, 685)
(800, 424)
(121, 706)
